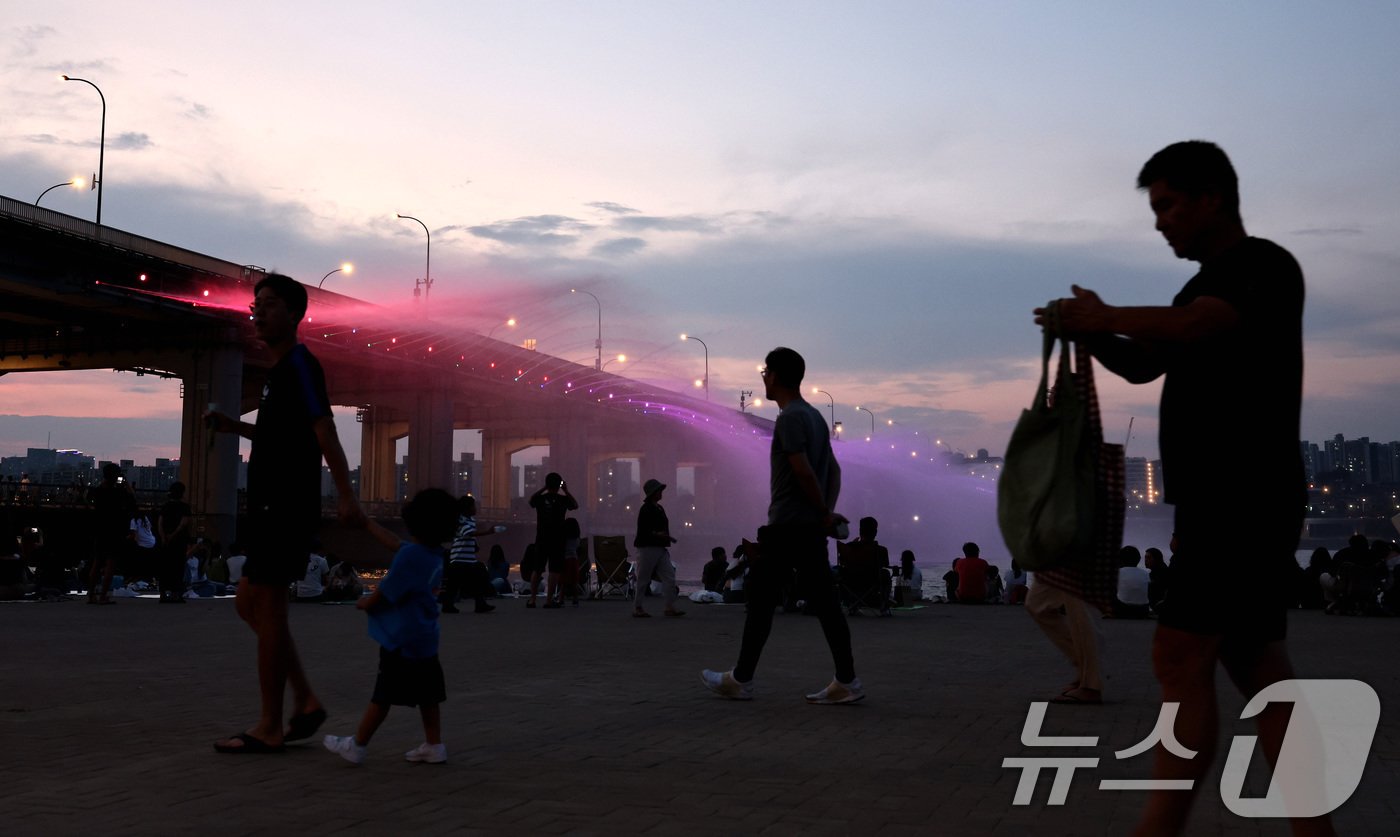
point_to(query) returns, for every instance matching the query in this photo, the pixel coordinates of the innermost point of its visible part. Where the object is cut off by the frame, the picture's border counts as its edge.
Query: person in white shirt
(235, 562)
(1132, 585)
(312, 586)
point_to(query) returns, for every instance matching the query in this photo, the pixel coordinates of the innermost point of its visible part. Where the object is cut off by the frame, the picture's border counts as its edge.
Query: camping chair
(861, 584)
(610, 558)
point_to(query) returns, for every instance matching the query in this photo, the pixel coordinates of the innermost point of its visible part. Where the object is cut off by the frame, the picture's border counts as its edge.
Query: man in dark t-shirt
(294, 431)
(552, 504)
(114, 506)
(805, 482)
(1231, 348)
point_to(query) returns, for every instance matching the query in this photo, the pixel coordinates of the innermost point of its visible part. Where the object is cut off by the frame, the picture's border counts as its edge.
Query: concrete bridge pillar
(208, 460)
(430, 442)
(497, 445)
(378, 431)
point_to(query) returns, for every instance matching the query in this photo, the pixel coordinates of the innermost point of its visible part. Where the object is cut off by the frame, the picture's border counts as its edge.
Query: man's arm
(347, 505)
(221, 423)
(811, 489)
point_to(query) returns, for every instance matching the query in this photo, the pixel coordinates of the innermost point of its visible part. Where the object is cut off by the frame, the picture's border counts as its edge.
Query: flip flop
(248, 745)
(304, 726)
(673, 614)
(640, 614)
(1071, 700)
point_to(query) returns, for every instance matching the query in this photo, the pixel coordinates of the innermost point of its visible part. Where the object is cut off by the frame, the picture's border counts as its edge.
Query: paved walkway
(589, 722)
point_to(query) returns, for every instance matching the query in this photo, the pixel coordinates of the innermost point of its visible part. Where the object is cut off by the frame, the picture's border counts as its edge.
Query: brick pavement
(589, 722)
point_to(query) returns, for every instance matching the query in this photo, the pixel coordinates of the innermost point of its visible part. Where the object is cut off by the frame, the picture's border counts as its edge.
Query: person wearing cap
(653, 544)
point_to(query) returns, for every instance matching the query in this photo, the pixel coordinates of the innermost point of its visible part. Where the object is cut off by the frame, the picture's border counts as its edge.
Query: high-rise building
(1142, 481)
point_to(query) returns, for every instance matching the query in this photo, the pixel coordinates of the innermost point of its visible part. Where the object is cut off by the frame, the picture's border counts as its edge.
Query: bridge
(77, 295)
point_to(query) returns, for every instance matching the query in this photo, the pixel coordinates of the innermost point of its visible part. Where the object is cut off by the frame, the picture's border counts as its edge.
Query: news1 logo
(1324, 752)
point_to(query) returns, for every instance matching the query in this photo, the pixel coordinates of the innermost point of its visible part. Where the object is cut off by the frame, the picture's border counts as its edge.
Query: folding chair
(610, 559)
(860, 584)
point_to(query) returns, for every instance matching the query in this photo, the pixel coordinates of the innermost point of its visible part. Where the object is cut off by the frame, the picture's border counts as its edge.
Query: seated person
(733, 587)
(312, 586)
(863, 567)
(971, 572)
(1159, 575)
(912, 575)
(1016, 585)
(1133, 581)
(712, 574)
(344, 584)
(236, 558)
(996, 589)
(498, 569)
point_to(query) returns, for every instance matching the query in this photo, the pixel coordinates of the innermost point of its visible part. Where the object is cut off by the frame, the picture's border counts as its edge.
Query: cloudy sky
(887, 187)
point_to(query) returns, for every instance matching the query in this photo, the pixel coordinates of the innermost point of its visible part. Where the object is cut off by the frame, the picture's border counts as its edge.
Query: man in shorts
(552, 505)
(1231, 348)
(293, 432)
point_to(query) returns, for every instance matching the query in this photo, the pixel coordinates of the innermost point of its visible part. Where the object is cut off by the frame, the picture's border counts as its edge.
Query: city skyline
(889, 190)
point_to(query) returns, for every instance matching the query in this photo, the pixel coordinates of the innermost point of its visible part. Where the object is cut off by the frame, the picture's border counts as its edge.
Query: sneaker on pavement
(345, 747)
(427, 753)
(723, 684)
(837, 692)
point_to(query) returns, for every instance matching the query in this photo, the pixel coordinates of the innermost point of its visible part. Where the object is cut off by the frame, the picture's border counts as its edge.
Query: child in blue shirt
(403, 619)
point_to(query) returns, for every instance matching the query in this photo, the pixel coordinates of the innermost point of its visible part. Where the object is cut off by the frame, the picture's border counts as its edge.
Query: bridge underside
(77, 296)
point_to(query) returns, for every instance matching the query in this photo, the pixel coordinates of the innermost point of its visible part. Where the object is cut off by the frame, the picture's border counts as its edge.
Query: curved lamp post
(509, 323)
(597, 344)
(347, 267)
(618, 359)
(872, 420)
(833, 407)
(76, 183)
(706, 380)
(101, 143)
(427, 280)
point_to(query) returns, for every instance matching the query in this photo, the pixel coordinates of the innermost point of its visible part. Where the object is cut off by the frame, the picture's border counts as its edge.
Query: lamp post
(833, 407)
(427, 280)
(618, 359)
(101, 143)
(509, 323)
(872, 422)
(706, 379)
(597, 344)
(347, 268)
(76, 183)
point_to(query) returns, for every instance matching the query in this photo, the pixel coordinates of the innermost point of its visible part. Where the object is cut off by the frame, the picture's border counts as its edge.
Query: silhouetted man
(1231, 348)
(293, 432)
(805, 483)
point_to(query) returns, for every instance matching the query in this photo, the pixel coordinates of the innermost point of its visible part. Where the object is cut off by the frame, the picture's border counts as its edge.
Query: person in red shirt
(972, 575)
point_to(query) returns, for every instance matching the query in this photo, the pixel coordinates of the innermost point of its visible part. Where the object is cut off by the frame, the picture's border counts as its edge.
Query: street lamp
(618, 359)
(597, 344)
(427, 280)
(872, 422)
(346, 267)
(101, 143)
(510, 323)
(833, 407)
(76, 183)
(706, 380)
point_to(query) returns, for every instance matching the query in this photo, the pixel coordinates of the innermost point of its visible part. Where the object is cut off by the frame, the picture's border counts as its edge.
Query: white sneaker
(724, 685)
(427, 753)
(838, 692)
(345, 747)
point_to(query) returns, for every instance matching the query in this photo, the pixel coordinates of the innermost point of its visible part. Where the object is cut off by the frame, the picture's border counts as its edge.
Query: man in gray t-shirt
(806, 481)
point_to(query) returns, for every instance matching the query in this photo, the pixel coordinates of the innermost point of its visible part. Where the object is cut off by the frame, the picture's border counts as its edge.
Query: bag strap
(1084, 386)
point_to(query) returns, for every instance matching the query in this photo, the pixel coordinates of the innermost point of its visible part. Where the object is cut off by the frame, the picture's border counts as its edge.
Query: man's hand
(1083, 313)
(348, 509)
(363, 602)
(219, 422)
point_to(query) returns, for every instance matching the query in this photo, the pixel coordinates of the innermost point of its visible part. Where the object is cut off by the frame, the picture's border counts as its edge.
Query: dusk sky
(889, 188)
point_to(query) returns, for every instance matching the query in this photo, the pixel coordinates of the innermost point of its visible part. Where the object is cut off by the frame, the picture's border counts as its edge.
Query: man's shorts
(1232, 571)
(549, 554)
(405, 682)
(279, 546)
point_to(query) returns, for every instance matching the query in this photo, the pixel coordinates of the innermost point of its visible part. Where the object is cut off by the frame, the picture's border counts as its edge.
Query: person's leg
(647, 557)
(1046, 605)
(451, 587)
(432, 722)
(108, 565)
(814, 583)
(1086, 636)
(666, 574)
(534, 586)
(370, 722)
(1185, 666)
(762, 590)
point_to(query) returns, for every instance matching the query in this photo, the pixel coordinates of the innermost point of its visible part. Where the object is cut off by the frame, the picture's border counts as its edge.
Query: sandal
(247, 745)
(304, 725)
(673, 614)
(640, 614)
